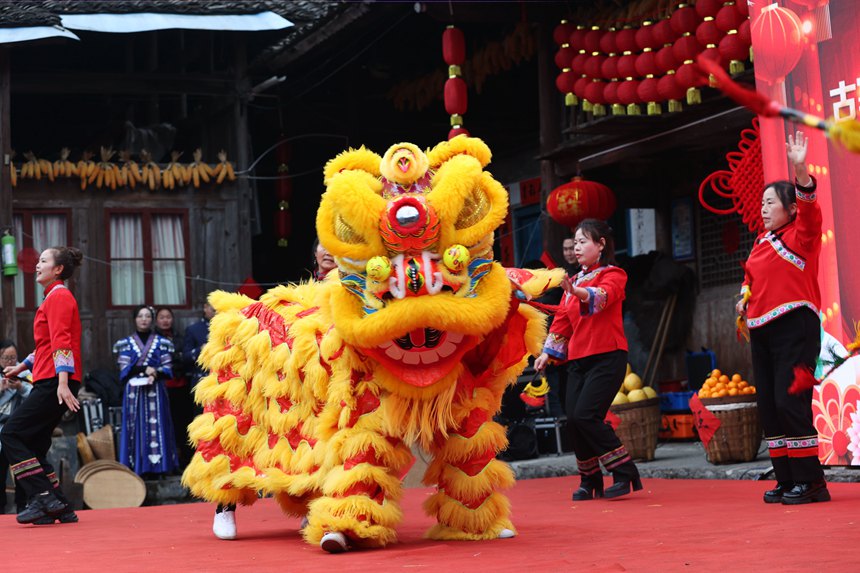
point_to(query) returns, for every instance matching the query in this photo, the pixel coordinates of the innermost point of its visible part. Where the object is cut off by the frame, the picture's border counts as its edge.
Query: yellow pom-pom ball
(456, 258)
(378, 268)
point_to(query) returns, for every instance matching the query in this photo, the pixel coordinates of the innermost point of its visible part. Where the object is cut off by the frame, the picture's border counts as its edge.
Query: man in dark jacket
(195, 337)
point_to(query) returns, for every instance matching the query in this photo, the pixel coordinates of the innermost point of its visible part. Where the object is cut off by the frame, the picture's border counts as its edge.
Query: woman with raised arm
(780, 299)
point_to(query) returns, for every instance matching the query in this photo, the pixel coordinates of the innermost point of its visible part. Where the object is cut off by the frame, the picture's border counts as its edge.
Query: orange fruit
(711, 381)
(733, 391)
(716, 373)
(732, 384)
(722, 393)
(736, 378)
(742, 384)
(724, 379)
(753, 389)
(720, 386)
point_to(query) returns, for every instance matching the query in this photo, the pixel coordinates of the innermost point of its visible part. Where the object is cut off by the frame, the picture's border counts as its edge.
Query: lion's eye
(346, 233)
(475, 208)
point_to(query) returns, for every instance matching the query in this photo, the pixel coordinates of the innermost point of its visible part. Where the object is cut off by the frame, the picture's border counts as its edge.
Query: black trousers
(592, 383)
(26, 437)
(182, 413)
(777, 347)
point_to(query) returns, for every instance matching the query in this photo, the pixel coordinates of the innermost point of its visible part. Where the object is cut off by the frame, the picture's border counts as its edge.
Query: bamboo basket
(640, 423)
(739, 436)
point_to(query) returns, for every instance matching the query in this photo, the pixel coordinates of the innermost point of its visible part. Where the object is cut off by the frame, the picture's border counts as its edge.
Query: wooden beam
(8, 317)
(215, 84)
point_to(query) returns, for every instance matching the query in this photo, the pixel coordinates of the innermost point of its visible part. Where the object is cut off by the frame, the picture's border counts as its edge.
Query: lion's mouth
(422, 346)
(423, 356)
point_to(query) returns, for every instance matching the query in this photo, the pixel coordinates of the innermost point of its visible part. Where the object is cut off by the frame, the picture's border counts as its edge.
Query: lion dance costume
(317, 391)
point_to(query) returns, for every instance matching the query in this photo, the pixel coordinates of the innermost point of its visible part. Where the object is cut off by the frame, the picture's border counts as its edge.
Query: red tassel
(532, 401)
(803, 380)
(756, 102)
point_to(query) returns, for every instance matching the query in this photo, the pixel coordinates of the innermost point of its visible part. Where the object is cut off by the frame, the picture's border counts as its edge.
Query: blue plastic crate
(675, 401)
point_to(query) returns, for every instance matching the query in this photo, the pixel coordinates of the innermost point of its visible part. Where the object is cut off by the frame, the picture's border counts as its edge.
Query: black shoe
(43, 505)
(67, 517)
(775, 495)
(589, 489)
(623, 487)
(806, 493)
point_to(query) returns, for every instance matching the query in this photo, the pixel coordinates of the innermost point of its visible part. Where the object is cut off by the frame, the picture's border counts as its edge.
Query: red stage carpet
(672, 525)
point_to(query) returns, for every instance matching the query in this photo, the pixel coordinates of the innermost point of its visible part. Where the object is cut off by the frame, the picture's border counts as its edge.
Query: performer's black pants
(593, 382)
(777, 347)
(26, 437)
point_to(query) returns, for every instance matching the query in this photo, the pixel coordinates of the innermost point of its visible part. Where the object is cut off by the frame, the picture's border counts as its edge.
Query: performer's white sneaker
(506, 533)
(334, 542)
(224, 526)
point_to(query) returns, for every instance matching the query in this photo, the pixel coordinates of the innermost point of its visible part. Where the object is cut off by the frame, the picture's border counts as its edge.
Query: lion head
(412, 235)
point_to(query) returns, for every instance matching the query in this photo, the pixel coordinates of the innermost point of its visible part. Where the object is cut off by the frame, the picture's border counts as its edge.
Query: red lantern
(645, 37)
(743, 7)
(647, 92)
(577, 65)
(564, 56)
(609, 68)
(594, 92)
(564, 82)
(607, 42)
(705, 8)
(627, 66)
(735, 50)
(684, 19)
(560, 34)
(728, 18)
(610, 93)
(592, 40)
(646, 64)
(708, 33)
(626, 40)
(714, 55)
(666, 60)
(593, 66)
(628, 92)
(577, 38)
(778, 39)
(663, 33)
(669, 89)
(458, 131)
(573, 202)
(454, 46)
(687, 48)
(688, 76)
(457, 99)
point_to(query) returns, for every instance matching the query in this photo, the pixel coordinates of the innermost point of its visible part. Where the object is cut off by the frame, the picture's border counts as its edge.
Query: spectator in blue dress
(147, 442)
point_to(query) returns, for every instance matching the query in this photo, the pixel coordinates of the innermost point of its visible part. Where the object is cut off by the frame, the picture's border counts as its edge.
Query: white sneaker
(224, 526)
(506, 533)
(334, 542)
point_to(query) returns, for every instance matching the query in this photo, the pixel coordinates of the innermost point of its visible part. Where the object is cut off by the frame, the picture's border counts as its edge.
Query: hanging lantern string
(843, 132)
(287, 140)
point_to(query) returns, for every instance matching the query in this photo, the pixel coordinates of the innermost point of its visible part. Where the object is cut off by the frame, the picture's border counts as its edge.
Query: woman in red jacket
(587, 331)
(780, 299)
(57, 374)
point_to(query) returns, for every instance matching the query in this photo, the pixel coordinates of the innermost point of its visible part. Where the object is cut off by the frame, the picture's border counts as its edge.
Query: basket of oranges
(732, 400)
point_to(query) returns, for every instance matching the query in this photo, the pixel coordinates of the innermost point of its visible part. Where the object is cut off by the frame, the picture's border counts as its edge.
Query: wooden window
(148, 257)
(37, 230)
